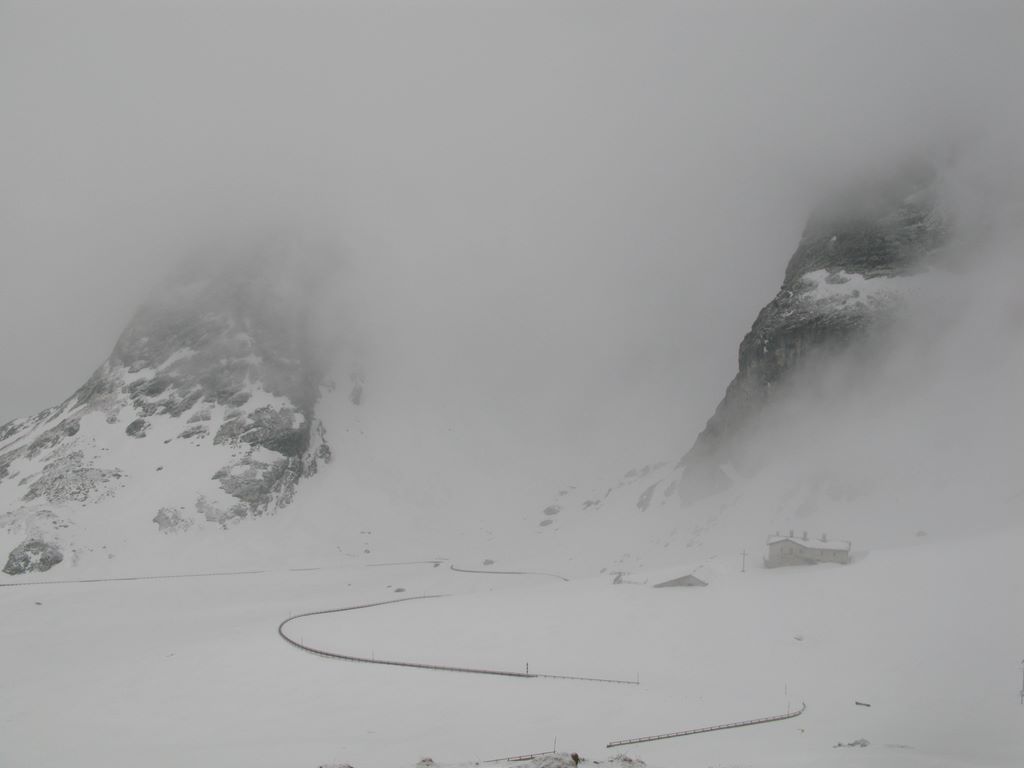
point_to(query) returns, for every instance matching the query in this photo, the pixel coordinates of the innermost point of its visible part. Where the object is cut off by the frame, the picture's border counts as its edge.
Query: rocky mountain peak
(859, 254)
(241, 314)
(214, 382)
(875, 228)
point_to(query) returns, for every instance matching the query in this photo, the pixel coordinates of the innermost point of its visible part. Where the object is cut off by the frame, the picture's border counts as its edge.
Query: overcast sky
(563, 214)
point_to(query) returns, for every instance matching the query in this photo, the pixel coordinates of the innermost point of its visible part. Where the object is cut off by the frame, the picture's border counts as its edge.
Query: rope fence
(509, 573)
(708, 729)
(418, 665)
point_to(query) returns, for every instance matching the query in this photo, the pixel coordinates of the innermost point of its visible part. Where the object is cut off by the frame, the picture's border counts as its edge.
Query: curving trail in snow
(420, 665)
(140, 578)
(388, 662)
(509, 573)
(709, 728)
(453, 567)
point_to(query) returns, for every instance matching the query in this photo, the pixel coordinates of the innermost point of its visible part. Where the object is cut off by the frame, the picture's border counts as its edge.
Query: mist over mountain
(885, 367)
(593, 213)
(203, 414)
(842, 298)
(877, 393)
(365, 364)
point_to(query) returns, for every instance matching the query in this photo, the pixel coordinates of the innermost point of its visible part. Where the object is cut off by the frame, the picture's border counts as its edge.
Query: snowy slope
(917, 465)
(191, 670)
(202, 416)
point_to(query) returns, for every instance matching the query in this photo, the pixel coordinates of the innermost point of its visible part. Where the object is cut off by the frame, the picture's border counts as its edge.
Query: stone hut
(791, 550)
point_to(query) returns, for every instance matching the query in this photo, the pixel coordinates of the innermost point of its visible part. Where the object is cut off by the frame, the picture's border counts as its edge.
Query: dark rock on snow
(878, 230)
(222, 346)
(32, 555)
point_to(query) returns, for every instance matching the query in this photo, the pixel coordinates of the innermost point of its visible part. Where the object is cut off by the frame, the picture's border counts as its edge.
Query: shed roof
(832, 544)
(689, 580)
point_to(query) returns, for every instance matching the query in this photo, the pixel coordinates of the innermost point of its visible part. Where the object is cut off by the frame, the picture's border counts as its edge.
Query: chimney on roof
(791, 533)
(805, 535)
(824, 537)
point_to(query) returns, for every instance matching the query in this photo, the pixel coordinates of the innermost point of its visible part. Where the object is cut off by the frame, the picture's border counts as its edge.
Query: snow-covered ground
(924, 625)
(191, 671)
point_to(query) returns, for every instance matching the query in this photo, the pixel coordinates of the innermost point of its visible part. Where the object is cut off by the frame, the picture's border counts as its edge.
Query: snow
(176, 357)
(191, 670)
(848, 289)
(158, 467)
(260, 398)
(130, 377)
(166, 672)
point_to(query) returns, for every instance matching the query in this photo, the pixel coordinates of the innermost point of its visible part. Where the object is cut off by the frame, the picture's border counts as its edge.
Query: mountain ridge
(858, 256)
(217, 360)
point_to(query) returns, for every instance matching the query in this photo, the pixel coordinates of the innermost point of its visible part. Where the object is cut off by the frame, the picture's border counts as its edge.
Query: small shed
(790, 550)
(683, 581)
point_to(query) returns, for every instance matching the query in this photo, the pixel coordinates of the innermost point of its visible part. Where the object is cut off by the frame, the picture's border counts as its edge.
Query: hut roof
(836, 545)
(689, 580)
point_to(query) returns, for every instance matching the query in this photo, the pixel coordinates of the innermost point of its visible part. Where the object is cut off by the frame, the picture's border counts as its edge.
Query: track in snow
(709, 728)
(417, 665)
(510, 573)
(141, 578)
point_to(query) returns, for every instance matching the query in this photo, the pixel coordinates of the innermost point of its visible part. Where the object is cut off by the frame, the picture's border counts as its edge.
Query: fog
(927, 405)
(554, 221)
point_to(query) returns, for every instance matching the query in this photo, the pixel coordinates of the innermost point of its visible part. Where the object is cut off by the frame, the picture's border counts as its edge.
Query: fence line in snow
(589, 679)
(128, 578)
(520, 758)
(708, 729)
(412, 664)
(509, 573)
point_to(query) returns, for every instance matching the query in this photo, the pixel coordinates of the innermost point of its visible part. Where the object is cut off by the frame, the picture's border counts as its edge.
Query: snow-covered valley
(441, 384)
(191, 670)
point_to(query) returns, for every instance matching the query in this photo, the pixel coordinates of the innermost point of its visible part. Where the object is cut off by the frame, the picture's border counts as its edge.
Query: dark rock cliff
(213, 384)
(845, 281)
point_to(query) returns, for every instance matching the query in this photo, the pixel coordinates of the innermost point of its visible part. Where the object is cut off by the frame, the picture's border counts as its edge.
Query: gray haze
(557, 217)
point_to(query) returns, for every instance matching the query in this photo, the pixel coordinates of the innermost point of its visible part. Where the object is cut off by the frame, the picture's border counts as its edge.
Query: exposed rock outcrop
(219, 359)
(170, 520)
(32, 555)
(857, 257)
